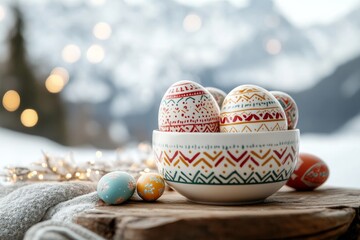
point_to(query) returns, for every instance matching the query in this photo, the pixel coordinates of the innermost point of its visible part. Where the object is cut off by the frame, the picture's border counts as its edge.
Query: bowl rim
(210, 134)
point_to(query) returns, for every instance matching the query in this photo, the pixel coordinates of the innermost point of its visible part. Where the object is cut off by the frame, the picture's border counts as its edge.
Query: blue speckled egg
(116, 187)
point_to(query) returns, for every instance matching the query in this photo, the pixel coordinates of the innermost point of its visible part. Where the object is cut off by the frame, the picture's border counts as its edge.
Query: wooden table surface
(322, 214)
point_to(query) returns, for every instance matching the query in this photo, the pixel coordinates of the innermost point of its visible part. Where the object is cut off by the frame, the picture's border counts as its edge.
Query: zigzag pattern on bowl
(234, 178)
(226, 165)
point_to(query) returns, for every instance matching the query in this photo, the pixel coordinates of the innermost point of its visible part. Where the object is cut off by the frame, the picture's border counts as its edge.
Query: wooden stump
(320, 214)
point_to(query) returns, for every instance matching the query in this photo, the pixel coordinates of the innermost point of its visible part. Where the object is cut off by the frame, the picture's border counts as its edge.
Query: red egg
(310, 172)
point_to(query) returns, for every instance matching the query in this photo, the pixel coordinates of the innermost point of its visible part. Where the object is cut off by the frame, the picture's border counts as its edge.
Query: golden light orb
(29, 117)
(11, 100)
(62, 72)
(54, 83)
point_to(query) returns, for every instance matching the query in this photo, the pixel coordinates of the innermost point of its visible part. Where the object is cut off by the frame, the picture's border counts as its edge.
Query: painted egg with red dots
(218, 94)
(150, 186)
(116, 187)
(249, 108)
(289, 106)
(188, 107)
(310, 172)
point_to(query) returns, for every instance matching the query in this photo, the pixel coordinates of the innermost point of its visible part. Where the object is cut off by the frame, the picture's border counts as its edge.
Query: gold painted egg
(150, 186)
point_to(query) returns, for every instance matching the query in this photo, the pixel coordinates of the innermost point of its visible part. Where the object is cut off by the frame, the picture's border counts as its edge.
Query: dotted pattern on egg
(249, 108)
(290, 107)
(188, 107)
(218, 94)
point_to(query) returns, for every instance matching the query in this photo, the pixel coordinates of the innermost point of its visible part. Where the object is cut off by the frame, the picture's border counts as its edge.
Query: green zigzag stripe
(204, 96)
(166, 102)
(234, 178)
(169, 101)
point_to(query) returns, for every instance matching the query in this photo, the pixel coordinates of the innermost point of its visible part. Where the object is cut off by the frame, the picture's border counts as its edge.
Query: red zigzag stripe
(173, 157)
(190, 160)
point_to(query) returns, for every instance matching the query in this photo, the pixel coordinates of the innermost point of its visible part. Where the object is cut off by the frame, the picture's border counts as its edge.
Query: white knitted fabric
(24, 205)
(55, 230)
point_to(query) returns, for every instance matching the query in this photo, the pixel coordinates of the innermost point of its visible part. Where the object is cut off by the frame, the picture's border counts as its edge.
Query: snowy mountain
(331, 103)
(116, 83)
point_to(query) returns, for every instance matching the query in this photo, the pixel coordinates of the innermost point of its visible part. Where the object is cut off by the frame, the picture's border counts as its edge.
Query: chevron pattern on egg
(250, 108)
(289, 105)
(247, 129)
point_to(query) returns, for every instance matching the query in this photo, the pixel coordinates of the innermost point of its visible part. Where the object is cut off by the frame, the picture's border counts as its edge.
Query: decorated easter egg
(289, 106)
(150, 186)
(249, 108)
(116, 187)
(218, 94)
(188, 107)
(310, 172)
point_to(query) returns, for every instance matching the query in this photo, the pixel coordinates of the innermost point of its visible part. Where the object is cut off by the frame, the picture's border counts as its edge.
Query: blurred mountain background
(99, 68)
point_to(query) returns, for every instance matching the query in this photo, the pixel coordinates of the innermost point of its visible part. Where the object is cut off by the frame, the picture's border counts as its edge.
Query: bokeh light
(29, 117)
(273, 46)
(192, 23)
(95, 54)
(71, 53)
(62, 72)
(98, 154)
(102, 31)
(11, 100)
(54, 83)
(2, 13)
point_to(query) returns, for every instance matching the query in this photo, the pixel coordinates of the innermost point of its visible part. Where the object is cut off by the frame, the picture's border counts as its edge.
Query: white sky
(301, 12)
(308, 12)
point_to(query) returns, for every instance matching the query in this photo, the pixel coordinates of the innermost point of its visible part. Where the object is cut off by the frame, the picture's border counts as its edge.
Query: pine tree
(19, 75)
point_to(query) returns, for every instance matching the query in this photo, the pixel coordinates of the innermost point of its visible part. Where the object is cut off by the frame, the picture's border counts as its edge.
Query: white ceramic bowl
(226, 168)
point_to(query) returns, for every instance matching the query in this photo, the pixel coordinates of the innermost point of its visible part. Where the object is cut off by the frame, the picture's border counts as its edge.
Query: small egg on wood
(116, 187)
(150, 186)
(310, 172)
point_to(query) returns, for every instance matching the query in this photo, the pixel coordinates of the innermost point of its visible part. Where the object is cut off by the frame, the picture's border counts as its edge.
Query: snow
(340, 151)
(18, 149)
(352, 126)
